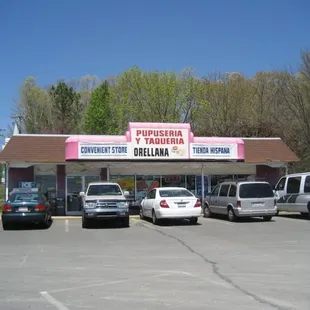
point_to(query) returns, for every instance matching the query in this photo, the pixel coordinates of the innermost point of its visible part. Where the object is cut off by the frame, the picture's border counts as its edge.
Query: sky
(69, 39)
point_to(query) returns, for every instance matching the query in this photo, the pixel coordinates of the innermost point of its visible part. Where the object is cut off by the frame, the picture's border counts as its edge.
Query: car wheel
(85, 222)
(5, 226)
(231, 215)
(48, 222)
(194, 220)
(267, 218)
(126, 222)
(142, 217)
(155, 220)
(207, 212)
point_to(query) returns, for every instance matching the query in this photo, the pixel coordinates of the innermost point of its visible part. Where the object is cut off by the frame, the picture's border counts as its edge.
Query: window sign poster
(126, 182)
(199, 186)
(145, 184)
(27, 184)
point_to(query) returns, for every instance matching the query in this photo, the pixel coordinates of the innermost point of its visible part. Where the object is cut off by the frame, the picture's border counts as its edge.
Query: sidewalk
(78, 217)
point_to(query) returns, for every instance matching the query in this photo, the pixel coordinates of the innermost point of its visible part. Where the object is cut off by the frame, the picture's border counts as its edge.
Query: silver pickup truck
(104, 200)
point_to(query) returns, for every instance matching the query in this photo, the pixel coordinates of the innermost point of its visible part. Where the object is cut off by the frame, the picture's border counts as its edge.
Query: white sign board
(164, 143)
(213, 151)
(105, 150)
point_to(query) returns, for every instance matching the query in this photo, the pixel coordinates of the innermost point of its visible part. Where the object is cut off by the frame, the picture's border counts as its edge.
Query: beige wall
(181, 168)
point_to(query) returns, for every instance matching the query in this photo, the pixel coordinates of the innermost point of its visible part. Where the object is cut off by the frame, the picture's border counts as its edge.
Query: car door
(144, 204)
(280, 188)
(232, 195)
(292, 192)
(213, 198)
(222, 199)
(148, 203)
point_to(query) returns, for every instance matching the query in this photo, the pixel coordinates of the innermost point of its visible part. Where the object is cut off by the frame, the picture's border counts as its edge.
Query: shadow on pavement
(28, 226)
(244, 219)
(295, 216)
(106, 224)
(168, 222)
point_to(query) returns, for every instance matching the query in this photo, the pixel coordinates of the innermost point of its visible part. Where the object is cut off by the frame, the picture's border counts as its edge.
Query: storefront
(148, 155)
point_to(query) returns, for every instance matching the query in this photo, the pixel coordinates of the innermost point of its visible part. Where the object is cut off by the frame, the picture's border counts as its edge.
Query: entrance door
(75, 185)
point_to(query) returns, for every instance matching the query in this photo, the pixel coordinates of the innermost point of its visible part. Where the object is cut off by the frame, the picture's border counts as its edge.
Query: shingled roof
(51, 149)
(35, 149)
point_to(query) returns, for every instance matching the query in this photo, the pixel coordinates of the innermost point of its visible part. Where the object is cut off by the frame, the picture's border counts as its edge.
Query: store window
(191, 183)
(145, 183)
(47, 184)
(199, 186)
(173, 181)
(242, 177)
(216, 179)
(126, 182)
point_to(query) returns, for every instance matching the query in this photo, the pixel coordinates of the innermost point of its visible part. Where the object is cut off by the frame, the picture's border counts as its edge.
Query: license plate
(258, 205)
(23, 209)
(182, 205)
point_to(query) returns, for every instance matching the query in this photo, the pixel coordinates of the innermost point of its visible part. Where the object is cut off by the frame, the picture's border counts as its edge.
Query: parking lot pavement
(214, 265)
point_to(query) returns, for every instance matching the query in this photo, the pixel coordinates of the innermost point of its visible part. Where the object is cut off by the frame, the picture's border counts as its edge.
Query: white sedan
(170, 203)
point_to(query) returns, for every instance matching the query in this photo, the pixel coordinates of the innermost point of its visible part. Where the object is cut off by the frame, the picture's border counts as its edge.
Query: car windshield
(175, 193)
(19, 197)
(104, 190)
(255, 190)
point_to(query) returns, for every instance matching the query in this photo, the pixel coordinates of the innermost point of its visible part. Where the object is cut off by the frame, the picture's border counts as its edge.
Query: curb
(288, 213)
(78, 217)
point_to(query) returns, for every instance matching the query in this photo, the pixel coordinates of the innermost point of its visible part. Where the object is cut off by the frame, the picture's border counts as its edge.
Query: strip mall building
(148, 155)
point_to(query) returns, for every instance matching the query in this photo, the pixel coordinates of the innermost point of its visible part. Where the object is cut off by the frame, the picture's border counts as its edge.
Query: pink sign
(149, 141)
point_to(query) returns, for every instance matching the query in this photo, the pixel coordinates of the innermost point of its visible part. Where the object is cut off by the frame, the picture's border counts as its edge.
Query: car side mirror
(82, 194)
(126, 194)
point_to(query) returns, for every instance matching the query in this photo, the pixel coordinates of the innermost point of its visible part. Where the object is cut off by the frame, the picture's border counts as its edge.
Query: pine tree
(98, 118)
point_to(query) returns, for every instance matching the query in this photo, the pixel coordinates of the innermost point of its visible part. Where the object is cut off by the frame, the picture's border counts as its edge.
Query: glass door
(75, 185)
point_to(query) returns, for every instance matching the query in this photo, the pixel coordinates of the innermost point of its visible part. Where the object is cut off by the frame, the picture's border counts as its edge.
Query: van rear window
(255, 190)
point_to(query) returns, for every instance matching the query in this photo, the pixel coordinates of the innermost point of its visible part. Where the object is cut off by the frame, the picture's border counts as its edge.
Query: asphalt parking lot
(214, 265)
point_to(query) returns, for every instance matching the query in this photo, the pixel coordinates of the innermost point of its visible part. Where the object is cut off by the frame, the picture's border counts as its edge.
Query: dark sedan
(26, 206)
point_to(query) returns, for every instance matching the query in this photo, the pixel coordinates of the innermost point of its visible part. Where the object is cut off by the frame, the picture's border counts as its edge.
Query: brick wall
(61, 181)
(17, 175)
(272, 175)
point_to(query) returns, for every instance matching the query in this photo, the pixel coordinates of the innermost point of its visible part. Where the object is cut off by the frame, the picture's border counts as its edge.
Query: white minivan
(293, 193)
(241, 199)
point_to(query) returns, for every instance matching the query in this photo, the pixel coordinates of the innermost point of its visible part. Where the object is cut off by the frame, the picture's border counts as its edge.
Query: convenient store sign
(164, 143)
(214, 151)
(104, 150)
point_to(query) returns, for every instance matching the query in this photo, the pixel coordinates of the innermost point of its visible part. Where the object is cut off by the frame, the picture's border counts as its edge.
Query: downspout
(202, 186)
(6, 181)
